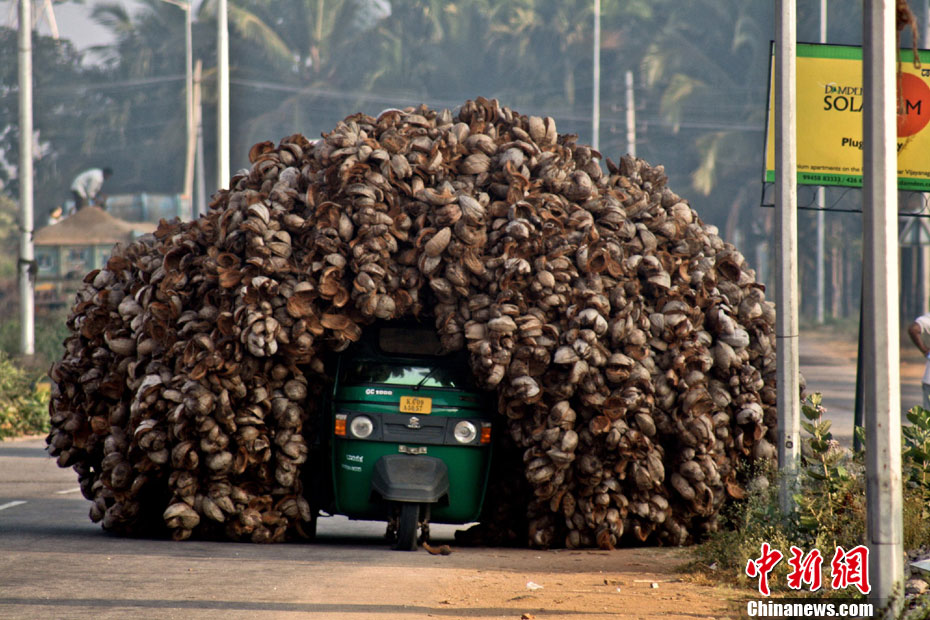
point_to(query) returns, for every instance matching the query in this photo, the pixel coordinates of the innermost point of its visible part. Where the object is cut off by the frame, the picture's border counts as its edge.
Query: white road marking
(11, 504)
(68, 491)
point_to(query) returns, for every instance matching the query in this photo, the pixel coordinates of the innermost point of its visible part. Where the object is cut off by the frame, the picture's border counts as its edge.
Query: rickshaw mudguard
(408, 478)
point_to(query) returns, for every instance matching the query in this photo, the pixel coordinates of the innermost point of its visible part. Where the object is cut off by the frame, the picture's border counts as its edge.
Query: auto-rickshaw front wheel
(407, 523)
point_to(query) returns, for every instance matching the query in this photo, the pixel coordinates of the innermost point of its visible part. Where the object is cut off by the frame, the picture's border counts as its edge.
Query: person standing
(86, 186)
(919, 327)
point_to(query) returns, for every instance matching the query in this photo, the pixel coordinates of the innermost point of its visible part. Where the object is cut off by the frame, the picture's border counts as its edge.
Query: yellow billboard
(829, 117)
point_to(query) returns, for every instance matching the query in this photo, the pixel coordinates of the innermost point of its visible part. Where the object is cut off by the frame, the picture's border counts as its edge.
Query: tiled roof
(91, 226)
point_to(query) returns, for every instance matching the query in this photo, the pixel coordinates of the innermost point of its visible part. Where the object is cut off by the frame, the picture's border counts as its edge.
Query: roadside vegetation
(23, 400)
(831, 511)
(23, 393)
(24, 383)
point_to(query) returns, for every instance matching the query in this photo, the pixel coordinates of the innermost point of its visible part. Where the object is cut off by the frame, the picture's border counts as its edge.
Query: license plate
(416, 404)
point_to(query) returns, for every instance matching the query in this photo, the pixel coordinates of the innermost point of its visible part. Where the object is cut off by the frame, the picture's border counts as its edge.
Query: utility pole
(821, 223)
(222, 105)
(596, 103)
(26, 251)
(786, 250)
(189, 101)
(880, 301)
(630, 116)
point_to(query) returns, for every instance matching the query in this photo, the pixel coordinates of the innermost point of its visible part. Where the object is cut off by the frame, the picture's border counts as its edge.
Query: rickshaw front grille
(427, 433)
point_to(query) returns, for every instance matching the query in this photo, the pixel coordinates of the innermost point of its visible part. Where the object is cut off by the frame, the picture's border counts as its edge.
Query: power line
(116, 84)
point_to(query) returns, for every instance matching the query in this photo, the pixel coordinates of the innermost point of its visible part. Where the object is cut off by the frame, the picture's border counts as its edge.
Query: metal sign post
(821, 199)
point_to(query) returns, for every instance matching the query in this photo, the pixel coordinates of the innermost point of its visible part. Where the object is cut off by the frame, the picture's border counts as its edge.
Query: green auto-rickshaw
(410, 434)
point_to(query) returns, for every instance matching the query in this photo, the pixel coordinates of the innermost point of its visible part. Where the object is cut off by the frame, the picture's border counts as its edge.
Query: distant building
(67, 251)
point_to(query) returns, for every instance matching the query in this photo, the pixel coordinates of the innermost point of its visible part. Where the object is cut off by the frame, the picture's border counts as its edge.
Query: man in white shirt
(915, 330)
(86, 186)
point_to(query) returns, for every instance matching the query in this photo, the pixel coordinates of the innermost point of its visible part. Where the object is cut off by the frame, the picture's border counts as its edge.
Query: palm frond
(709, 146)
(114, 16)
(256, 31)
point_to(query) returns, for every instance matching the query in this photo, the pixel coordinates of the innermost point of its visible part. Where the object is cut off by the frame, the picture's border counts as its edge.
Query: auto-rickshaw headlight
(465, 432)
(361, 426)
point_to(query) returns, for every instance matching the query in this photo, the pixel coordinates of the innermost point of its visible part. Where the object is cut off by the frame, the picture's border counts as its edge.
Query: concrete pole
(630, 116)
(821, 223)
(596, 97)
(880, 300)
(786, 250)
(189, 103)
(222, 112)
(26, 250)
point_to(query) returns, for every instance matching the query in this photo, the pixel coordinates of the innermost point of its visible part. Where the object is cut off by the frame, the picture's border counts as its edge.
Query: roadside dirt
(625, 583)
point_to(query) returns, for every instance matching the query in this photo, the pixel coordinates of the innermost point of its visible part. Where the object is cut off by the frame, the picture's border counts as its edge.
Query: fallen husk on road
(631, 349)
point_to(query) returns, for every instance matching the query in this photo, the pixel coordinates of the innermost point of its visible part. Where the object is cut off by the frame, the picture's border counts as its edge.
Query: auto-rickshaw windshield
(449, 377)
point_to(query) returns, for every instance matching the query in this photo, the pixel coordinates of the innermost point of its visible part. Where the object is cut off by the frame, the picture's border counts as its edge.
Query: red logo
(851, 568)
(763, 565)
(805, 569)
(913, 105)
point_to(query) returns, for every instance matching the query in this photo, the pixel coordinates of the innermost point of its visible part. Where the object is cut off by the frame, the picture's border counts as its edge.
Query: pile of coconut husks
(631, 350)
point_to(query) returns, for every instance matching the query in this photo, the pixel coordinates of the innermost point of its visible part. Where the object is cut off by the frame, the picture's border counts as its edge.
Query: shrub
(830, 503)
(23, 406)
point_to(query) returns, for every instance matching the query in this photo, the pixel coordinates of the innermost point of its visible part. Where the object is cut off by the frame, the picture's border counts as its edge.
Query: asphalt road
(829, 367)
